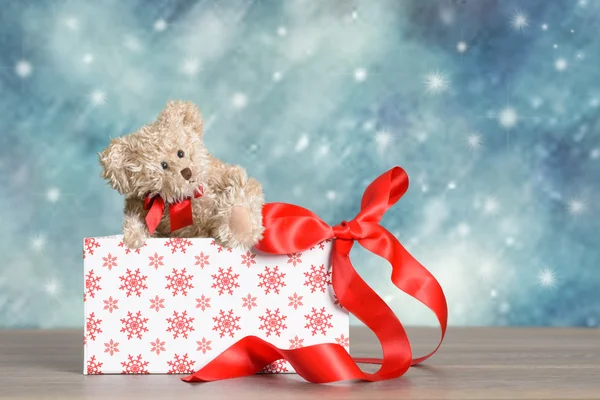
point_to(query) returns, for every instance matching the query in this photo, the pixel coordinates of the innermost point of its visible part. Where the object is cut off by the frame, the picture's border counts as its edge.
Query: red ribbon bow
(291, 229)
(180, 213)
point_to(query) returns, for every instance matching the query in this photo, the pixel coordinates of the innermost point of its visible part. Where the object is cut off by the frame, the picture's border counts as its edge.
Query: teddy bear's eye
(180, 154)
(164, 165)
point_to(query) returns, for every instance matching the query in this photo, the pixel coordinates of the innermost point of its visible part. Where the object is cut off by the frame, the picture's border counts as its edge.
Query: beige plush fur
(229, 210)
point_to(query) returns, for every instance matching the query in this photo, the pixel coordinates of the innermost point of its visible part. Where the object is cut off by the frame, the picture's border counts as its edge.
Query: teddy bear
(174, 187)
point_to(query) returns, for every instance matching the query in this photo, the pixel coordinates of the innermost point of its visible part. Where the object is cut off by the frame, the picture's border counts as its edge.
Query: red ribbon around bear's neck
(180, 213)
(292, 229)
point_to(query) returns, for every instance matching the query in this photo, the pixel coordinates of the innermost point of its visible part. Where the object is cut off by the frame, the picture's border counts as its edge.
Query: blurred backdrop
(492, 107)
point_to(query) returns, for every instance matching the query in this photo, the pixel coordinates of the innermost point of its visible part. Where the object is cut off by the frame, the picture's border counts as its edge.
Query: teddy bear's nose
(186, 173)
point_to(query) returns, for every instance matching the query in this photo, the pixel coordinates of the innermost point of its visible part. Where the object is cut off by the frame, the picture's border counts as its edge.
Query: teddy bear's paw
(134, 233)
(243, 230)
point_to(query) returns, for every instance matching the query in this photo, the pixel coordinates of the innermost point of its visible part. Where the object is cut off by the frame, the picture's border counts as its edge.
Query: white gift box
(175, 304)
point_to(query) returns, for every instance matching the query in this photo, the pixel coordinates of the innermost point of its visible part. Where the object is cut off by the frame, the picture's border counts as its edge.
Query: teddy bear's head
(165, 158)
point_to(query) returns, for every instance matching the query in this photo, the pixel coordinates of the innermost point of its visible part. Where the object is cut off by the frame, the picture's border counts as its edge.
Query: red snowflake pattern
(128, 250)
(203, 345)
(294, 259)
(271, 280)
(133, 282)
(296, 343)
(178, 244)
(94, 367)
(134, 325)
(92, 284)
(203, 302)
(157, 346)
(134, 365)
(180, 325)
(272, 322)
(318, 278)
(336, 302)
(248, 302)
(226, 323)
(276, 367)
(219, 247)
(181, 365)
(225, 281)
(156, 261)
(111, 347)
(157, 303)
(179, 282)
(109, 261)
(318, 321)
(202, 260)
(295, 301)
(110, 304)
(90, 244)
(321, 245)
(248, 259)
(343, 341)
(92, 325)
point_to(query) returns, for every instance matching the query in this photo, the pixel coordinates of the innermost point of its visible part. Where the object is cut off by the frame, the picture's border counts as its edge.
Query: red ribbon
(180, 213)
(292, 229)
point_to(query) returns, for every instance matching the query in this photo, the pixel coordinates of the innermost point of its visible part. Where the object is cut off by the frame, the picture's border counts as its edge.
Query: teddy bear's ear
(185, 113)
(113, 160)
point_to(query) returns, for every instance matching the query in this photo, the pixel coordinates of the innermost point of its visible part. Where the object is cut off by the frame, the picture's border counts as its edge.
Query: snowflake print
(180, 325)
(271, 280)
(94, 367)
(157, 303)
(92, 284)
(226, 323)
(156, 261)
(203, 302)
(203, 345)
(202, 260)
(92, 325)
(295, 301)
(336, 302)
(248, 302)
(318, 278)
(110, 304)
(157, 346)
(343, 341)
(294, 259)
(272, 322)
(181, 365)
(318, 321)
(219, 247)
(134, 365)
(225, 281)
(321, 245)
(90, 244)
(276, 367)
(179, 282)
(128, 250)
(248, 259)
(111, 347)
(134, 325)
(178, 244)
(296, 343)
(109, 262)
(133, 282)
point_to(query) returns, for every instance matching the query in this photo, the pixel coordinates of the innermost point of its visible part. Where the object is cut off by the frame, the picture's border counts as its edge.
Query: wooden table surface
(473, 363)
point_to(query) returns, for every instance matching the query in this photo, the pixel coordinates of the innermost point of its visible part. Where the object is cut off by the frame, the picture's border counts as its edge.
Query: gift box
(175, 304)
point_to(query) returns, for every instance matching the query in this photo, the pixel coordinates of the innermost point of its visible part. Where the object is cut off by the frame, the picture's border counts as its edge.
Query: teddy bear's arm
(238, 207)
(135, 231)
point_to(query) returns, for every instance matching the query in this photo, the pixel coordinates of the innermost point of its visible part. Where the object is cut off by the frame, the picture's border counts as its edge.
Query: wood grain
(473, 363)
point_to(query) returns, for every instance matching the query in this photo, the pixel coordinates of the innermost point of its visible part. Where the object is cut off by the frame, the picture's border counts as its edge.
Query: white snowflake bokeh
(498, 136)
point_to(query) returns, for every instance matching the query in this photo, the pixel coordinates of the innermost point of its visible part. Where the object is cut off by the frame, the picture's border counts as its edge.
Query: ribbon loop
(291, 229)
(180, 212)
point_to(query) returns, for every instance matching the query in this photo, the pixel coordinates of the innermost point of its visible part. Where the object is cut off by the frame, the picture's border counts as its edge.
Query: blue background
(491, 107)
